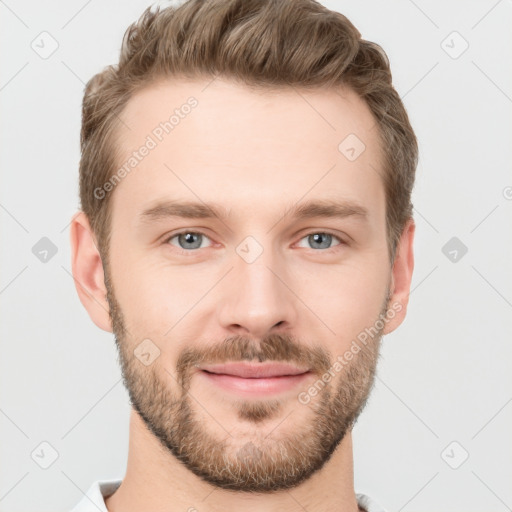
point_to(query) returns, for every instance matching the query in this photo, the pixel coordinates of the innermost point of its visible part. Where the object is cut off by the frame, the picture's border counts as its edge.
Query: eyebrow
(310, 209)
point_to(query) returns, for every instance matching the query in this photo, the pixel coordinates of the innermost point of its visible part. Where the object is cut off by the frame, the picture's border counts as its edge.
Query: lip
(254, 370)
(254, 379)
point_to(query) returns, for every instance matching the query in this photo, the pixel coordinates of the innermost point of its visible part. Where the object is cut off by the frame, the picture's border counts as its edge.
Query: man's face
(255, 284)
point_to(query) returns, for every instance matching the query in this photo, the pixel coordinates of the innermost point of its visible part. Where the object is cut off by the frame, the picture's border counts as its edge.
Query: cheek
(348, 298)
(154, 295)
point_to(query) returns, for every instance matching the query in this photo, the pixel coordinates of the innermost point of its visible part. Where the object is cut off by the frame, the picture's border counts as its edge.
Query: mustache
(274, 347)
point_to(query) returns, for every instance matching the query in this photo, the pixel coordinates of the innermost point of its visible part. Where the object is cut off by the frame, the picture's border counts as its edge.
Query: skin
(257, 154)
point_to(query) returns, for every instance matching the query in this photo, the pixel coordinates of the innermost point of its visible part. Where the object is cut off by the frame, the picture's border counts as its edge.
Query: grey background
(445, 374)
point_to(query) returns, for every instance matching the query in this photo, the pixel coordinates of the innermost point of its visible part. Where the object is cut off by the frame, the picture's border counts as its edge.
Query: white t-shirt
(94, 500)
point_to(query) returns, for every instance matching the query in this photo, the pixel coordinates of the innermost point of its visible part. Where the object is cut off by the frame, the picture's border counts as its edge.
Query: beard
(255, 462)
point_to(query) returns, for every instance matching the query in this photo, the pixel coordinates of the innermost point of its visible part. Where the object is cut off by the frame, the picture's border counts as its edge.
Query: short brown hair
(261, 43)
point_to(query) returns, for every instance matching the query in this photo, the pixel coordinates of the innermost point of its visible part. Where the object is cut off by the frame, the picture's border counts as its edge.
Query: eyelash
(193, 252)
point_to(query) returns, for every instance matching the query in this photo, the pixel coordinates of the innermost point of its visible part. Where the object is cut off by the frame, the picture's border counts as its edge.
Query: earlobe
(88, 274)
(401, 278)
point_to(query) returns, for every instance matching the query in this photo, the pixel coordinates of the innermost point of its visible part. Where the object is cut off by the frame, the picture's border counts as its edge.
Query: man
(246, 234)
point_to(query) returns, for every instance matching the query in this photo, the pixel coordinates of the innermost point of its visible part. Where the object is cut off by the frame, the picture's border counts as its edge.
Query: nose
(258, 298)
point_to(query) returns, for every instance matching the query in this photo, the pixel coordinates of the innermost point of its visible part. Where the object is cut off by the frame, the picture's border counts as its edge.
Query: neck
(155, 480)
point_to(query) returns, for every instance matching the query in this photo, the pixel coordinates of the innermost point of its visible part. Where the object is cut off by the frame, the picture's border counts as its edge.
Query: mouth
(254, 370)
(254, 378)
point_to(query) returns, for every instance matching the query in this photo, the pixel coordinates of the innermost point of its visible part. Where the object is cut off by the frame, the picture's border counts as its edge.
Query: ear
(87, 269)
(401, 278)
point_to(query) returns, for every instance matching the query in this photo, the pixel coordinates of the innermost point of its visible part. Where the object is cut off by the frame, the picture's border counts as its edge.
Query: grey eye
(188, 240)
(321, 240)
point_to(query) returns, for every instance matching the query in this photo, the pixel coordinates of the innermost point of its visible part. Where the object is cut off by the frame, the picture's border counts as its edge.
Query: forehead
(218, 141)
